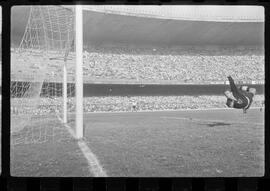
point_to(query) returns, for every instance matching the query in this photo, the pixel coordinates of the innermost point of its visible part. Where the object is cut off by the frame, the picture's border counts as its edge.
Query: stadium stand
(144, 103)
(157, 46)
(170, 64)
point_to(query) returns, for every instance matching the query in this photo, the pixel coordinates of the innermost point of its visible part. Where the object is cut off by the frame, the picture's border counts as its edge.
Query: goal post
(65, 92)
(79, 70)
(78, 75)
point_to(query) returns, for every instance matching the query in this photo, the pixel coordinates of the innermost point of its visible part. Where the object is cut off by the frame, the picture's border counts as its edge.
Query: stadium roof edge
(188, 13)
(113, 28)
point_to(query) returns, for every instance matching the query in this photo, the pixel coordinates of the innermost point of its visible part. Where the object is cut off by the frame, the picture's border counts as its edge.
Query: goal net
(46, 49)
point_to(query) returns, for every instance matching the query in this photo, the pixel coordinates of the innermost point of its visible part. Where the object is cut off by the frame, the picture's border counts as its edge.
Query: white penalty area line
(94, 165)
(208, 120)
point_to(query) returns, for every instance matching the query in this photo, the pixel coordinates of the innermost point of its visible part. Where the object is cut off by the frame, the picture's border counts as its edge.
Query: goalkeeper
(239, 98)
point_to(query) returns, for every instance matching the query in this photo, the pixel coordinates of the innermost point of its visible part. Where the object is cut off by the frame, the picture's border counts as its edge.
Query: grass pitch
(191, 143)
(179, 143)
(45, 148)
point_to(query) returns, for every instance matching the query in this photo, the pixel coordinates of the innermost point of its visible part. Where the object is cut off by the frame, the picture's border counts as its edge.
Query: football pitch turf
(193, 143)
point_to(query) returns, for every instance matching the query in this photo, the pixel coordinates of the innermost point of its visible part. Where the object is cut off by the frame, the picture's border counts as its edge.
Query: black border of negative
(120, 184)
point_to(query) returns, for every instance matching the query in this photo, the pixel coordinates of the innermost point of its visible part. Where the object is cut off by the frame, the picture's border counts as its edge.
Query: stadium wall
(149, 90)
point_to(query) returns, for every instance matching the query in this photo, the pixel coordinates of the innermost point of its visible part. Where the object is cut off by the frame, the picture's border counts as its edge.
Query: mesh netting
(46, 44)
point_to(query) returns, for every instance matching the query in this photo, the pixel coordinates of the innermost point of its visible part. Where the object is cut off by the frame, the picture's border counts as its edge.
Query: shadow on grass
(215, 124)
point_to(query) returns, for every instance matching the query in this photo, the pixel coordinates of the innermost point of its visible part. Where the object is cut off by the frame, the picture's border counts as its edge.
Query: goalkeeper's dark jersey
(244, 98)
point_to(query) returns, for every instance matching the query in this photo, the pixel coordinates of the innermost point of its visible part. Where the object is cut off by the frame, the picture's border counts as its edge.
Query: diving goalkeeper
(239, 98)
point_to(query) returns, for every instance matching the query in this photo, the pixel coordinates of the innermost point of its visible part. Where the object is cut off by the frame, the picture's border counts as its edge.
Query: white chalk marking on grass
(209, 120)
(93, 164)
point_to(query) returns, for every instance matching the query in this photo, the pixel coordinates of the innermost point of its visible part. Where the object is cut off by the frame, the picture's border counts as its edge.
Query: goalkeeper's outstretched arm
(236, 92)
(232, 84)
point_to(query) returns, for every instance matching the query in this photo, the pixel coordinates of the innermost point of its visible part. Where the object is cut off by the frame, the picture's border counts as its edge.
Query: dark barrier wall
(158, 90)
(147, 90)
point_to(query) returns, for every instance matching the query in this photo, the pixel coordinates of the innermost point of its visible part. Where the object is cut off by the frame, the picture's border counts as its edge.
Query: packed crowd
(133, 103)
(182, 64)
(153, 64)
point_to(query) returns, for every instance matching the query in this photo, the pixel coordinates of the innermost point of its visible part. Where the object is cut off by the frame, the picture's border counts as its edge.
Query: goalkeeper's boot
(252, 90)
(244, 88)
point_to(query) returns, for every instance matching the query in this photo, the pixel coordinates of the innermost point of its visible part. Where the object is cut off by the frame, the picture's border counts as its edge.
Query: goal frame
(79, 71)
(78, 75)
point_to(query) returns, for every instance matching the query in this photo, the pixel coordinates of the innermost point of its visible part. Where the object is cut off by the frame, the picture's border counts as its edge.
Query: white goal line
(94, 165)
